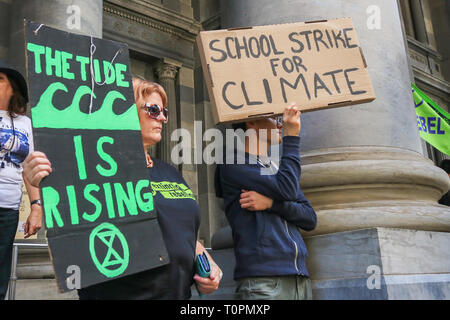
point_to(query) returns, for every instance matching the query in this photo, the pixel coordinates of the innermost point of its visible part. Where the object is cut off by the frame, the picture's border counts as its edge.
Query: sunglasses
(154, 110)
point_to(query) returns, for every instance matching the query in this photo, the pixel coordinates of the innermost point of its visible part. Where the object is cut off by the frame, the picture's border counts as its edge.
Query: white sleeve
(30, 136)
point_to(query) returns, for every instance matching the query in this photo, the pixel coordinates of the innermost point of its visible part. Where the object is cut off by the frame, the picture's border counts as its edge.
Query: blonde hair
(143, 88)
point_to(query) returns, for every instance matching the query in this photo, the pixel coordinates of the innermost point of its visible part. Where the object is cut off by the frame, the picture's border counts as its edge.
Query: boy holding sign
(265, 212)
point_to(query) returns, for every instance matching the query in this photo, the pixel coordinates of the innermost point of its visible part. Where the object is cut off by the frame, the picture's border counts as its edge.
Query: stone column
(36, 276)
(76, 16)
(407, 18)
(5, 12)
(166, 71)
(59, 14)
(362, 166)
(419, 21)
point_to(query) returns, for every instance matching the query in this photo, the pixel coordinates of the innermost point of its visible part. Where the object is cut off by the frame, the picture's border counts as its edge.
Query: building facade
(373, 182)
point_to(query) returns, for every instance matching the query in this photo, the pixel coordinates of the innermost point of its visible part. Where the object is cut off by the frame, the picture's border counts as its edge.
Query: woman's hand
(34, 221)
(36, 167)
(291, 120)
(253, 201)
(211, 284)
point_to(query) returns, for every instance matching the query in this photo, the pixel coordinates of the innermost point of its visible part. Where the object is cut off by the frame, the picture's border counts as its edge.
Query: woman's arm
(211, 284)
(34, 220)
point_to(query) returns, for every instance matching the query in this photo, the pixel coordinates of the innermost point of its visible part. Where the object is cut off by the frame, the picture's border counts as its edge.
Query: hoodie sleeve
(299, 212)
(282, 186)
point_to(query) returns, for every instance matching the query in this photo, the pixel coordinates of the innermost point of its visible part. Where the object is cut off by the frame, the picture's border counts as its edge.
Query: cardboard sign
(98, 203)
(258, 71)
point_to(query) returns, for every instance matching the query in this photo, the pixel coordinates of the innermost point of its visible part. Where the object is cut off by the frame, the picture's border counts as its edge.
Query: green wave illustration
(45, 115)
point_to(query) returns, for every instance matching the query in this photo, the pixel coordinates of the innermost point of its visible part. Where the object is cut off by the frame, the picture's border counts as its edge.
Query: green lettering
(125, 199)
(106, 157)
(109, 200)
(38, 51)
(79, 155)
(98, 205)
(50, 197)
(66, 66)
(97, 74)
(74, 219)
(172, 190)
(110, 74)
(120, 69)
(145, 206)
(51, 61)
(84, 61)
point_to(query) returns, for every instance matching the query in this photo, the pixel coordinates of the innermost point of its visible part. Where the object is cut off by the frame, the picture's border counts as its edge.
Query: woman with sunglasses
(178, 217)
(16, 140)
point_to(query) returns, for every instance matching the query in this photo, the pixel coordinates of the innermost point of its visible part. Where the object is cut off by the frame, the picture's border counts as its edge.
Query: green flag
(433, 121)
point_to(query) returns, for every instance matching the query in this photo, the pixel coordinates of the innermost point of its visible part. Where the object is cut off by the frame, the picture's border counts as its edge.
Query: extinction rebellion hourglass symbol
(115, 262)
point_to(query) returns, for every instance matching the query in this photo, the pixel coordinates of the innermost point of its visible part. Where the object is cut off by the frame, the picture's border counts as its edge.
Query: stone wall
(5, 10)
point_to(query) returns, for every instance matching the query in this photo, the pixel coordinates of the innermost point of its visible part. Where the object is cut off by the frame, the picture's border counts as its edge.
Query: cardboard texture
(258, 71)
(98, 204)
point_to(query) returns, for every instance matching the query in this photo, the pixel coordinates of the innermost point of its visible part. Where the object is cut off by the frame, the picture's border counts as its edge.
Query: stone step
(41, 289)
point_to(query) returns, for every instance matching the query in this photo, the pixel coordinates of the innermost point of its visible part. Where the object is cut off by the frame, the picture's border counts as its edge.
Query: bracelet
(37, 201)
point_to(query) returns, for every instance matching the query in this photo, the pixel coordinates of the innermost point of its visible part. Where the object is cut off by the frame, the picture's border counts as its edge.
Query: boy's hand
(291, 120)
(253, 201)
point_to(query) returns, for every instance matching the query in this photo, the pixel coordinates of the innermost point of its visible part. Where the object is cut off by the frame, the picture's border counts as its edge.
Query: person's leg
(304, 290)
(8, 225)
(266, 288)
(258, 288)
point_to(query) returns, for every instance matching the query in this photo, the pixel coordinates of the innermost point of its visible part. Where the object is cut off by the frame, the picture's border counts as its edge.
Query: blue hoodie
(268, 243)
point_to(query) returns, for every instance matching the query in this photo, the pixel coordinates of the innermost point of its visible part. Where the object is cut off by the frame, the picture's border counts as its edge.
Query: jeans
(274, 288)
(9, 218)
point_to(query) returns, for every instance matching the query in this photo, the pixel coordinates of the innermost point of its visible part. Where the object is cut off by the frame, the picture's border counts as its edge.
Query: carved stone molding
(166, 70)
(155, 18)
(149, 36)
(371, 186)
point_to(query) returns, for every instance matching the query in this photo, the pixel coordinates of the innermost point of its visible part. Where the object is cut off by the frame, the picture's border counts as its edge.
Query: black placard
(98, 203)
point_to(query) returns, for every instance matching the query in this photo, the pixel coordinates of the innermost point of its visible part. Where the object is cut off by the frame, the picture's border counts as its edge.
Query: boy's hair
(239, 125)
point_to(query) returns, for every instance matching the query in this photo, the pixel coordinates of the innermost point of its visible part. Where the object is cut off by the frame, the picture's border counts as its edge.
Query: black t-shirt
(179, 220)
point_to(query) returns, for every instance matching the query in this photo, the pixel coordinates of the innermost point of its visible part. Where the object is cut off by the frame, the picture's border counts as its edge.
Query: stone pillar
(76, 16)
(362, 166)
(167, 71)
(60, 14)
(419, 21)
(5, 12)
(407, 17)
(440, 14)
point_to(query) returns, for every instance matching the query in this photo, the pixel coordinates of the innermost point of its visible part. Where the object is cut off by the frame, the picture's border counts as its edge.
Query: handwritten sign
(258, 71)
(98, 202)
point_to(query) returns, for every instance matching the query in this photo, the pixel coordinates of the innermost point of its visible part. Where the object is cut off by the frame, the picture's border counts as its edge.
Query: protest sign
(258, 71)
(98, 203)
(433, 121)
